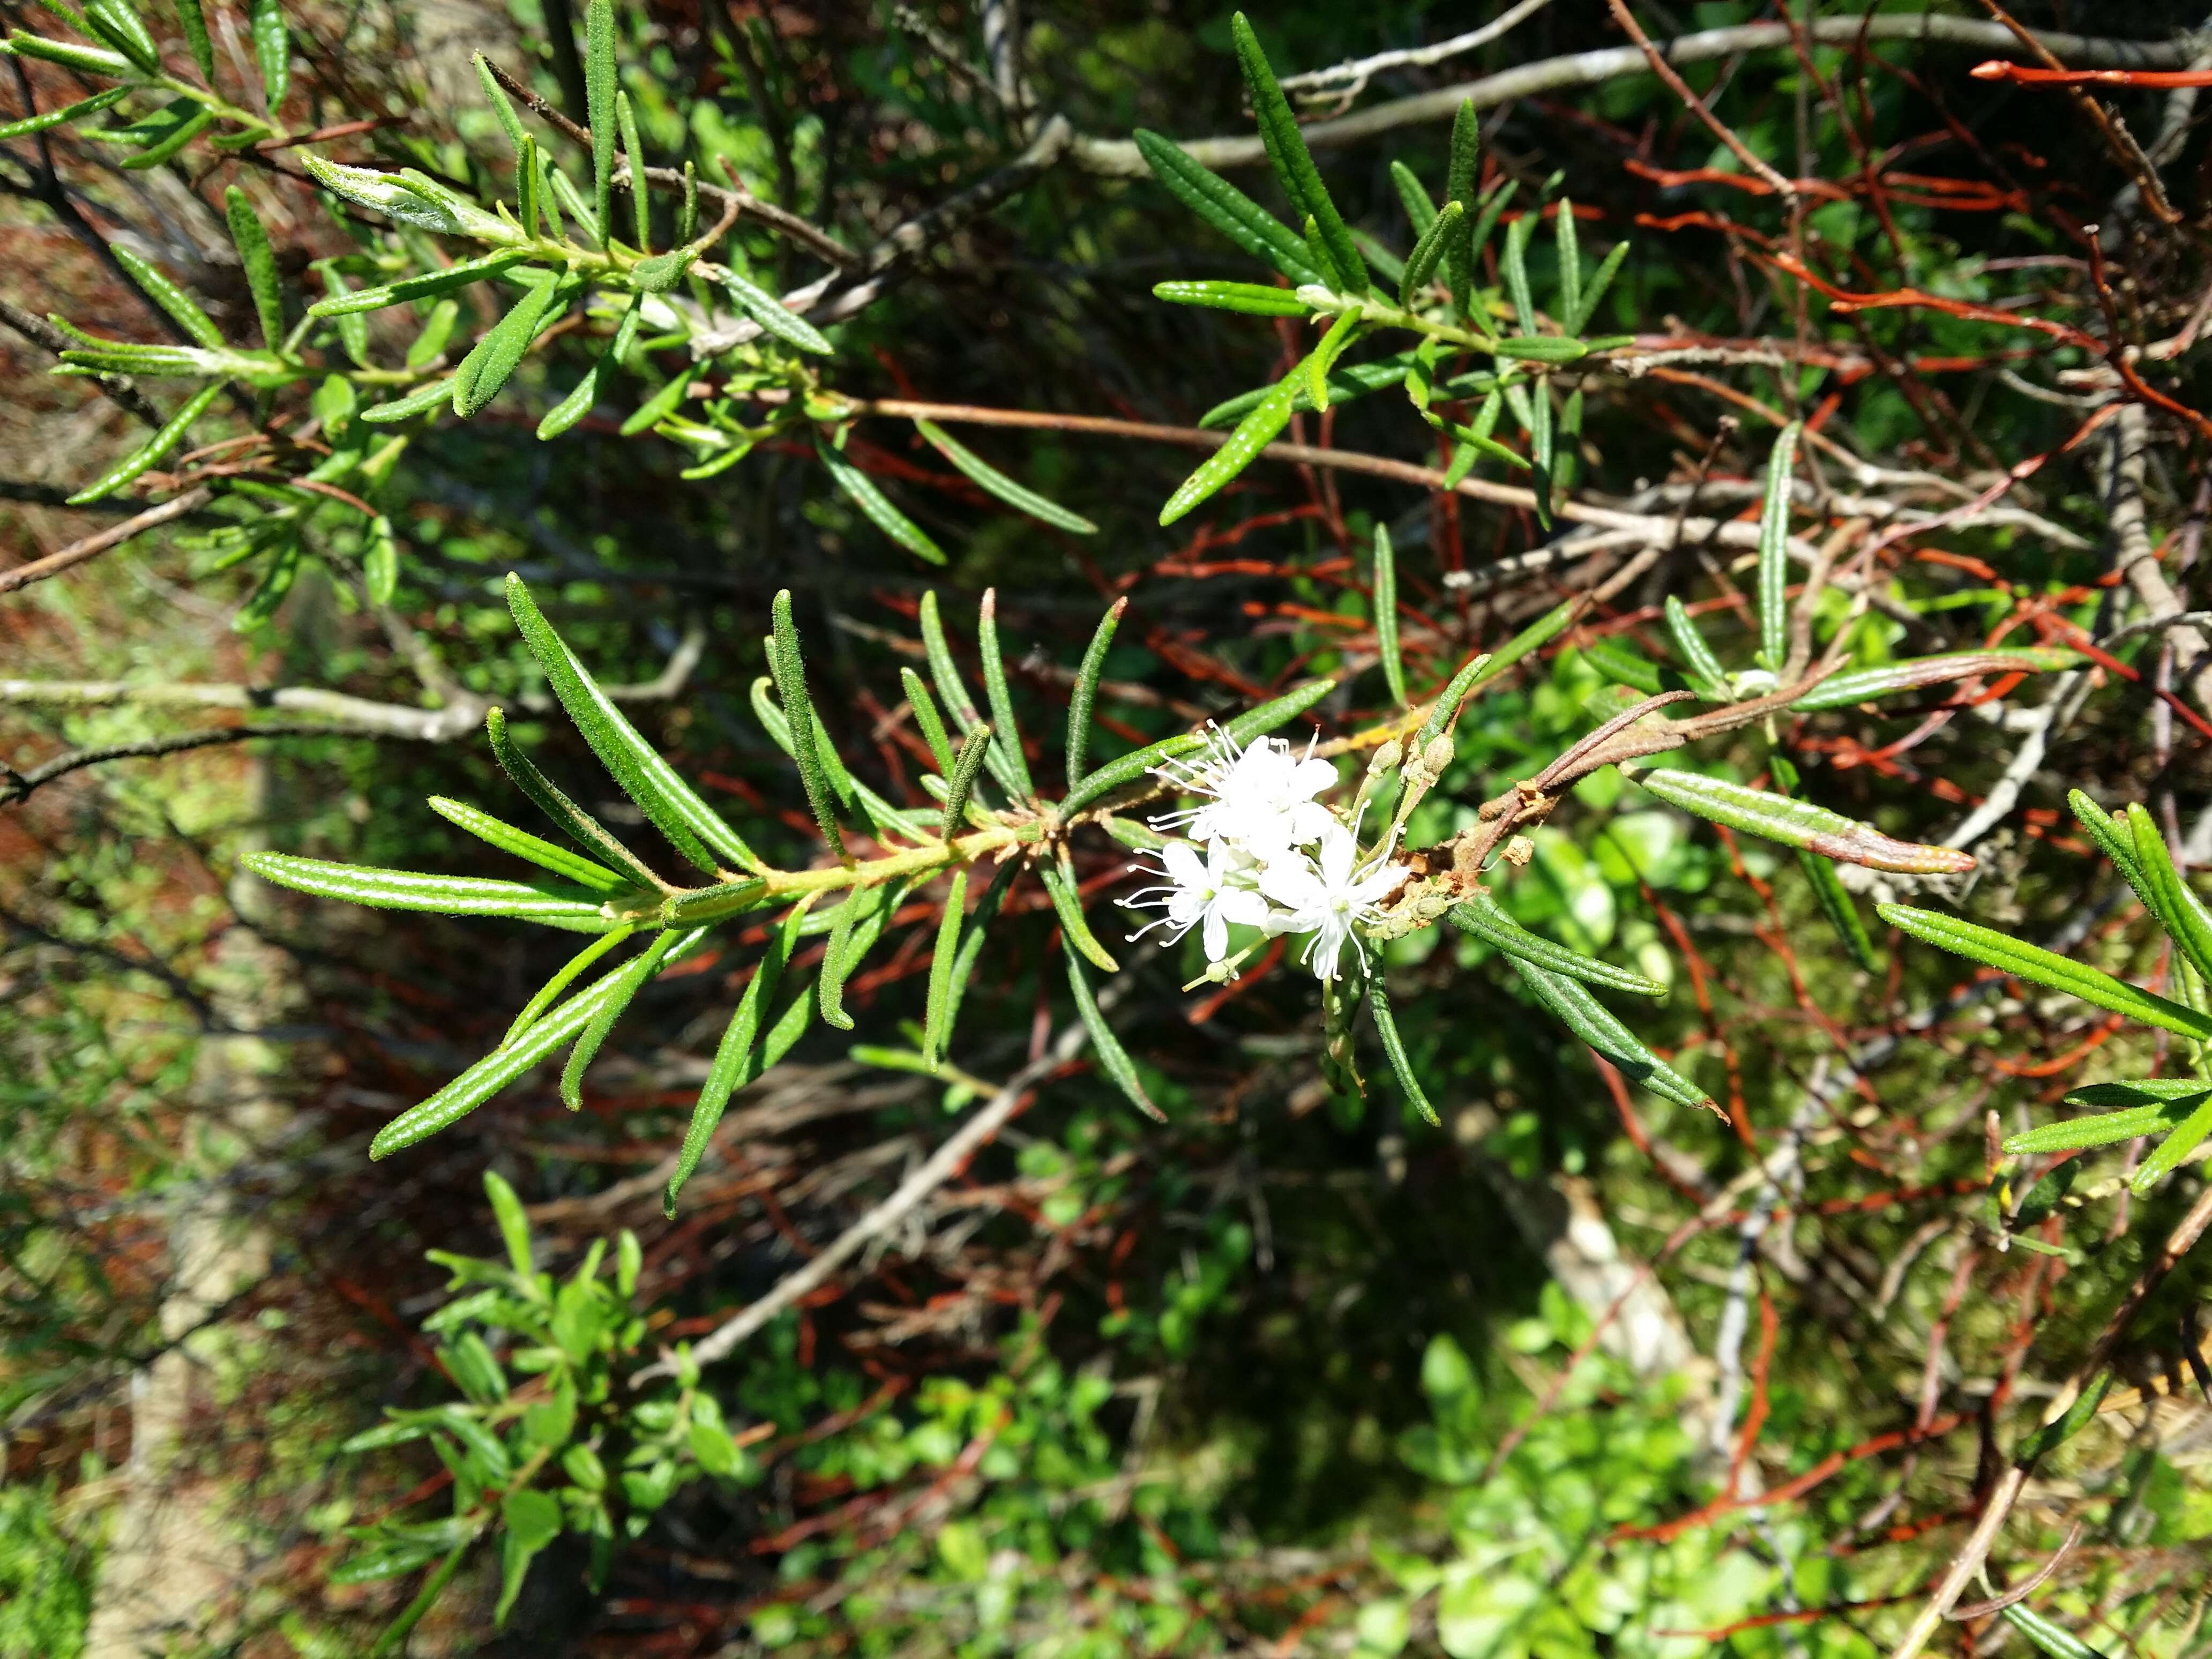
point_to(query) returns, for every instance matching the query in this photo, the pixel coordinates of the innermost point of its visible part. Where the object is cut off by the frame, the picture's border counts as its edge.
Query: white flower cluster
(1274, 858)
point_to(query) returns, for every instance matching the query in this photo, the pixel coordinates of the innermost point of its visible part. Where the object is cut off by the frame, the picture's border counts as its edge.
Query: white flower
(1327, 894)
(1258, 799)
(1208, 893)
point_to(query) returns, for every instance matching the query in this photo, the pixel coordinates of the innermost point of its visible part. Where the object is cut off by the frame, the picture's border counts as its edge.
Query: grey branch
(120, 388)
(1347, 80)
(18, 785)
(1120, 157)
(77, 553)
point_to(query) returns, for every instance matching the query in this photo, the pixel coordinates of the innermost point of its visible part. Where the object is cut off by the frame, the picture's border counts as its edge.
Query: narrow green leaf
(259, 260)
(501, 351)
(191, 23)
(584, 871)
(1015, 772)
(645, 777)
(502, 111)
(2117, 842)
(788, 665)
(1515, 264)
(1386, 615)
(571, 201)
(460, 275)
(10, 130)
(1254, 434)
(526, 176)
(1226, 208)
(600, 90)
(941, 963)
(1609, 268)
(1018, 496)
(380, 561)
(627, 980)
(572, 820)
(1481, 915)
(2179, 911)
(972, 941)
(191, 120)
(657, 408)
(1333, 345)
(92, 60)
(2053, 1639)
(1573, 1006)
(1085, 691)
(1346, 382)
(1421, 264)
(872, 501)
(155, 447)
(1248, 299)
(1445, 710)
(1260, 720)
(2168, 1155)
(1888, 679)
(634, 150)
(837, 960)
(2076, 1134)
(1386, 1027)
(2022, 960)
(1828, 889)
(1113, 1059)
(567, 974)
(502, 1066)
(1294, 166)
(1461, 172)
(1535, 637)
(1060, 882)
(452, 895)
(928, 720)
(1704, 668)
(733, 1057)
(437, 332)
(1571, 261)
(1420, 208)
(774, 316)
(960, 781)
(117, 23)
(2046, 1438)
(432, 394)
(1128, 768)
(514, 1224)
(272, 48)
(578, 403)
(1799, 823)
(1540, 348)
(1774, 550)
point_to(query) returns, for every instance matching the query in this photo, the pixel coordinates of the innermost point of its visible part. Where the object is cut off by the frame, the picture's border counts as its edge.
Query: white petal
(1183, 864)
(1216, 935)
(1243, 906)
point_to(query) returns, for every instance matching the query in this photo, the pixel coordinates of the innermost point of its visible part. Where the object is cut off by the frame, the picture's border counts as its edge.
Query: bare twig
(1681, 89)
(120, 388)
(115, 535)
(1348, 80)
(18, 785)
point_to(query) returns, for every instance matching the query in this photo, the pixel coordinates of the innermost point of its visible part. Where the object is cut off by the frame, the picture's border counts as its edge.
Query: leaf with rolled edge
(11, 130)
(117, 23)
(1481, 915)
(1128, 769)
(503, 1066)
(675, 811)
(1420, 207)
(567, 974)
(1226, 208)
(431, 395)
(513, 1224)
(1324, 356)
(1346, 382)
(1799, 823)
(1514, 263)
(1254, 434)
(501, 351)
(552, 902)
(2148, 1106)
(1445, 709)
(2117, 842)
(941, 963)
(459, 275)
(2055, 1640)
(272, 48)
(1595, 290)
(258, 259)
(380, 561)
(774, 316)
(599, 91)
(1774, 550)
(1286, 144)
(1015, 771)
(1386, 615)
(170, 435)
(1889, 678)
(191, 23)
(1627, 666)
(1248, 299)
(1421, 264)
(788, 665)
(2020, 960)
(585, 872)
(1704, 667)
(1574, 1006)
(1538, 349)
(1259, 721)
(1386, 1027)
(1535, 637)
(733, 1066)
(1828, 890)
(1018, 496)
(876, 505)
(1113, 1059)
(1570, 260)
(73, 54)
(1461, 171)
(837, 959)
(2179, 910)
(2168, 1155)
(1085, 691)
(572, 820)
(626, 981)
(927, 720)
(972, 941)
(634, 153)
(578, 403)
(1060, 882)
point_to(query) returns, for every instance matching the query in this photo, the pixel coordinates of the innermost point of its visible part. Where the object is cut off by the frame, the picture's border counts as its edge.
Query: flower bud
(1439, 754)
(1387, 757)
